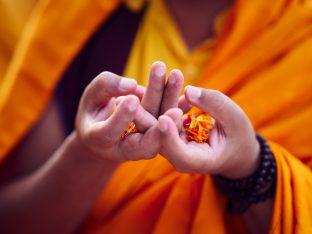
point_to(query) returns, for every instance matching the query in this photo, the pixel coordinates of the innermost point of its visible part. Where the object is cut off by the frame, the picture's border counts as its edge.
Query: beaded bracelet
(255, 188)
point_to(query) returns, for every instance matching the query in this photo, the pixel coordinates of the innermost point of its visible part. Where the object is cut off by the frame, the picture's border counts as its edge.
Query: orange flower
(130, 129)
(197, 125)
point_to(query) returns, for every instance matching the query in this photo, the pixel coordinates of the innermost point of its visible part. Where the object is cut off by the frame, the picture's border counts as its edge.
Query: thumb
(171, 142)
(226, 112)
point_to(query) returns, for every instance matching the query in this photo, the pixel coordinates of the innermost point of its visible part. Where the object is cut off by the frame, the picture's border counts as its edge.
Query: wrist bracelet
(255, 188)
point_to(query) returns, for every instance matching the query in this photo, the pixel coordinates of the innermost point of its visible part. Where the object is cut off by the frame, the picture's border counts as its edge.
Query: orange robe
(13, 15)
(262, 60)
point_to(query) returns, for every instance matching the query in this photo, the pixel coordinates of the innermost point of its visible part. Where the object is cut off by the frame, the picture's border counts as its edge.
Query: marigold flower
(197, 125)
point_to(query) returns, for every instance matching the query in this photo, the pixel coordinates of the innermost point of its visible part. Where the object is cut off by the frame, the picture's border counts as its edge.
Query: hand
(161, 95)
(100, 122)
(232, 150)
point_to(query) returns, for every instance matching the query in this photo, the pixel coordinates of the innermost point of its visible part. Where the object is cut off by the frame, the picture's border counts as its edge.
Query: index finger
(156, 84)
(153, 95)
(105, 86)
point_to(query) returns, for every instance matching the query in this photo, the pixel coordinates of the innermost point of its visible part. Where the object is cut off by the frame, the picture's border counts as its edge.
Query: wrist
(254, 188)
(80, 149)
(245, 163)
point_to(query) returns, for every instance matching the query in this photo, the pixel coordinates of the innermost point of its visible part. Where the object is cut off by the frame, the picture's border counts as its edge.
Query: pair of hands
(111, 102)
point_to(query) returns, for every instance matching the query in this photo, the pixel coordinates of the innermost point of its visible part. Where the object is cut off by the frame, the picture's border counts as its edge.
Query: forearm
(251, 195)
(258, 217)
(57, 197)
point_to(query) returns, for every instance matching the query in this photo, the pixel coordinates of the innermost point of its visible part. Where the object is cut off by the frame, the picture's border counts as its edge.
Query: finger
(119, 99)
(106, 111)
(111, 129)
(171, 143)
(153, 95)
(176, 115)
(172, 91)
(184, 105)
(190, 156)
(141, 146)
(104, 87)
(139, 92)
(144, 120)
(226, 112)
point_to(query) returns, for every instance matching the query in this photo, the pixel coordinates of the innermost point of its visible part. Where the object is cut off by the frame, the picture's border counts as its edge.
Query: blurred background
(13, 16)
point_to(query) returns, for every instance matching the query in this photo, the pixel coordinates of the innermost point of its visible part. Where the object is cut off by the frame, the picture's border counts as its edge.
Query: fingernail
(127, 84)
(162, 126)
(193, 92)
(160, 71)
(132, 106)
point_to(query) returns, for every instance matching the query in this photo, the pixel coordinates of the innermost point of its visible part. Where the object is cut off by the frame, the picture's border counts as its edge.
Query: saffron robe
(263, 58)
(13, 15)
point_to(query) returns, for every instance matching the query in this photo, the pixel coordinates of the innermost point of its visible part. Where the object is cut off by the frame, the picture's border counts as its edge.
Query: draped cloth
(262, 60)
(13, 15)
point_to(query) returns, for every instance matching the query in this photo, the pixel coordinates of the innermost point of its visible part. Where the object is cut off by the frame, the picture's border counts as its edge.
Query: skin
(48, 185)
(201, 13)
(94, 150)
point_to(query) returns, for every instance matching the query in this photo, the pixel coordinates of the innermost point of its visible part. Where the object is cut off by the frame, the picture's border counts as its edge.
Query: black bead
(260, 180)
(268, 178)
(258, 187)
(243, 192)
(272, 171)
(266, 164)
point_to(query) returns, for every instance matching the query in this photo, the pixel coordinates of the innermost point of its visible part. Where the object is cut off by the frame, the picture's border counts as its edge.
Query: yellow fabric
(158, 38)
(134, 5)
(267, 70)
(13, 15)
(263, 63)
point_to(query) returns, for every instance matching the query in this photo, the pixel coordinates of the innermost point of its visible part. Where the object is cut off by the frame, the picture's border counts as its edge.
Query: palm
(231, 145)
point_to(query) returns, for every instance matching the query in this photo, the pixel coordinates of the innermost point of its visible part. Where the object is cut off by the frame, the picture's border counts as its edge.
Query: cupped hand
(100, 122)
(232, 149)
